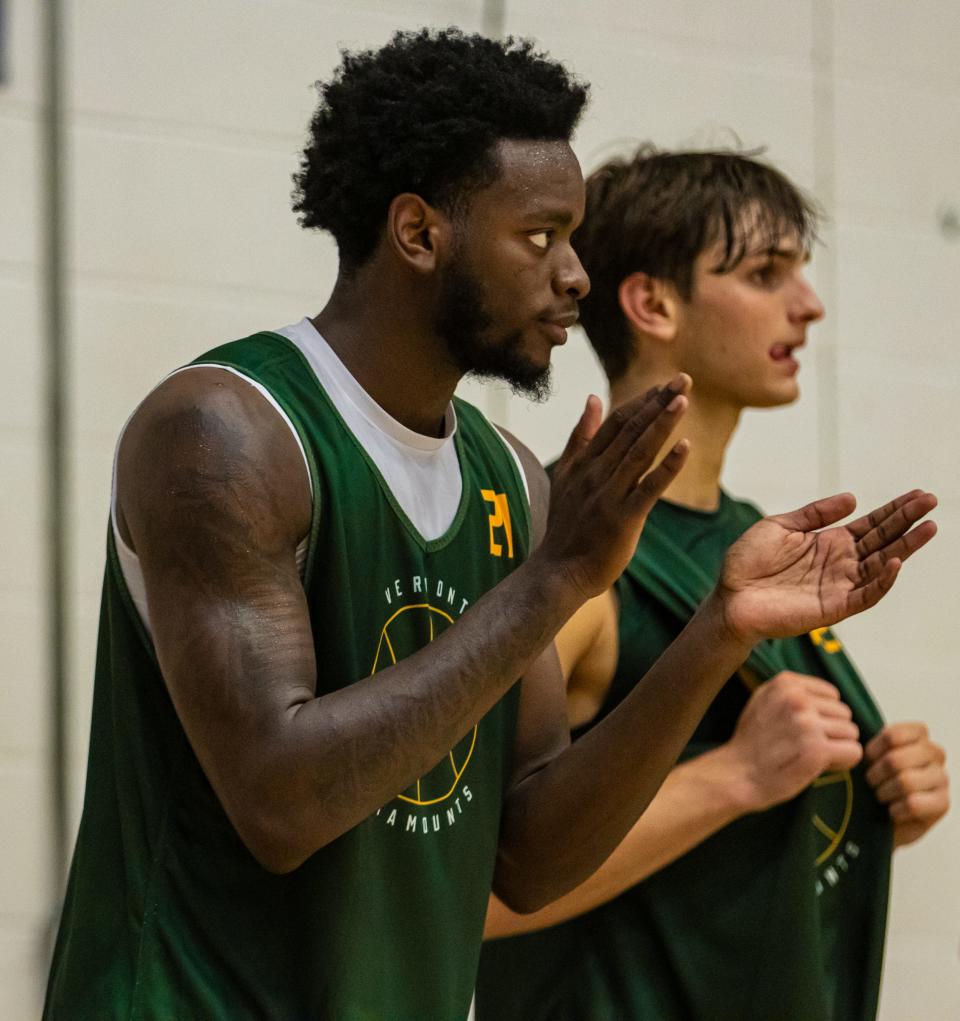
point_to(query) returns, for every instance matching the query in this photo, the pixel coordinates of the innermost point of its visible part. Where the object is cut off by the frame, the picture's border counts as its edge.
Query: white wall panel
(21, 90)
(21, 380)
(244, 67)
(900, 296)
(19, 188)
(129, 336)
(890, 41)
(898, 152)
(185, 128)
(895, 417)
(25, 876)
(23, 665)
(920, 979)
(188, 213)
(23, 969)
(21, 517)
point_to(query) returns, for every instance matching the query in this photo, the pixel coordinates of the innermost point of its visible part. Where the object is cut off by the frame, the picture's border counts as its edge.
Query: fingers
(653, 484)
(585, 429)
(864, 524)
(629, 423)
(917, 754)
(843, 754)
(818, 514)
(888, 524)
(871, 589)
(895, 735)
(921, 806)
(814, 685)
(908, 774)
(923, 780)
(901, 548)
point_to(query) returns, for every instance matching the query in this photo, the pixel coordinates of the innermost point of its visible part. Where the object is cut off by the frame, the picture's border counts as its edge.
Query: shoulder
(201, 435)
(538, 485)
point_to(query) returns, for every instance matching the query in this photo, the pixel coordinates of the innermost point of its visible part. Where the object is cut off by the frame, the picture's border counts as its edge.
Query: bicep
(213, 497)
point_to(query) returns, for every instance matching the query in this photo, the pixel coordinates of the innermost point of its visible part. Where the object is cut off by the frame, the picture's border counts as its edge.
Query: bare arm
(213, 499)
(568, 811)
(792, 729)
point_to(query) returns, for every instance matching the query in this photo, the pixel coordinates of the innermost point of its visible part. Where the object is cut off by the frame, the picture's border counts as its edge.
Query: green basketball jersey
(779, 916)
(168, 917)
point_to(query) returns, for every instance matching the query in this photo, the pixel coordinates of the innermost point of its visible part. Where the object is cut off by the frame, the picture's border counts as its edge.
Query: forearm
(698, 798)
(562, 822)
(317, 766)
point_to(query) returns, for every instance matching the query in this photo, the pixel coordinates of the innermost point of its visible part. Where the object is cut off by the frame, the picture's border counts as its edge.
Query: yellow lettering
(821, 636)
(500, 518)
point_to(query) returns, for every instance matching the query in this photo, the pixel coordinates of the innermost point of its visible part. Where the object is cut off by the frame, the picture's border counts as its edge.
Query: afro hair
(422, 114)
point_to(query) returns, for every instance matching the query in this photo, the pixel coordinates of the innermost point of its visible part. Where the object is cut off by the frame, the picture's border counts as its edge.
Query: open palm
(783, 577)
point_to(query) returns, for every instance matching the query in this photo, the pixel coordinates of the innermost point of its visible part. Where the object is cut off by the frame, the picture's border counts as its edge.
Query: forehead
(536, 178)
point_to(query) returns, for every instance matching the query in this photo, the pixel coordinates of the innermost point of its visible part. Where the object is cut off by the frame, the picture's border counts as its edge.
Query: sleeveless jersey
(780, 915)
(167, 915)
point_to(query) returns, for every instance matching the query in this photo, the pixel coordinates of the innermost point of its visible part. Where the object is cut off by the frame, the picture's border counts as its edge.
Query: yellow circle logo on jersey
(839, 810)
(408, 630)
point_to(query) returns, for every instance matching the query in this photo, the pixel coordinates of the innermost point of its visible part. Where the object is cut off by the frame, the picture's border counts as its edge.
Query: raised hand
(603, 487)
(794, 728)
(784, 577)
(906, 770)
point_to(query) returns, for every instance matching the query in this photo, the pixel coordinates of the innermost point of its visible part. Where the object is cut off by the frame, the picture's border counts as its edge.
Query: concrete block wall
(184, 126)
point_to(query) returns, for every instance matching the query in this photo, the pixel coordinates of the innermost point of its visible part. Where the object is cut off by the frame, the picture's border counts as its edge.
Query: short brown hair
(655, 212)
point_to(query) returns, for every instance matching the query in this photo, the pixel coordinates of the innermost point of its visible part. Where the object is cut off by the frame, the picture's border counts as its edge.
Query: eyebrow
(775, 252)
(562, 218)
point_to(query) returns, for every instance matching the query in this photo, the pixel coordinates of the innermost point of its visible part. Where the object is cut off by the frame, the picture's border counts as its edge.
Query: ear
(650, 305)
(416, 231)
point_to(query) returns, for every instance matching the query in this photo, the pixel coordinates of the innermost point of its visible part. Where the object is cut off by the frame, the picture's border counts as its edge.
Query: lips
(557, 325)
(781, 352)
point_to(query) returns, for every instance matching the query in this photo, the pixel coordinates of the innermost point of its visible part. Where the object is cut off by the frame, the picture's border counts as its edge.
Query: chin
(778, 398)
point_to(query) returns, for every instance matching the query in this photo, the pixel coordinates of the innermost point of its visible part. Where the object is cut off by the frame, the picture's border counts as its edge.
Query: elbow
(523, 892)
(275, 843)
(273, 853)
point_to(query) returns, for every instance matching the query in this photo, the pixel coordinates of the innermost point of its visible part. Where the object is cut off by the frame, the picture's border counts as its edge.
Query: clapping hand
(791, 573)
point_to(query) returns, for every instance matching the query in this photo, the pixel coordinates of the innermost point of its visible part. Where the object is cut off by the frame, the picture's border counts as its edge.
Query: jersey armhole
(127, 559)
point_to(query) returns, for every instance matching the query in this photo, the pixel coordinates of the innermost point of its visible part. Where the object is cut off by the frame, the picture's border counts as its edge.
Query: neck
(708, 424)
(379, 330)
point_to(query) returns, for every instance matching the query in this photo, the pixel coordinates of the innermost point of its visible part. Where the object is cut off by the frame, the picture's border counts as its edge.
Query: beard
(463, 323)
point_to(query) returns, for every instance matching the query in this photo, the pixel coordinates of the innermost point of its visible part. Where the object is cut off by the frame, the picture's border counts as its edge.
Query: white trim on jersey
(422, 472)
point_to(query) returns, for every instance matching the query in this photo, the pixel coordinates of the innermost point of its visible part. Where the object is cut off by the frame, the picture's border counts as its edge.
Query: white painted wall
(186, 119)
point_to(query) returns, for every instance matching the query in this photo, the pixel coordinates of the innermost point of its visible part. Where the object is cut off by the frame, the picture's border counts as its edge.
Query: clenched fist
(907, 772)
(794, 728)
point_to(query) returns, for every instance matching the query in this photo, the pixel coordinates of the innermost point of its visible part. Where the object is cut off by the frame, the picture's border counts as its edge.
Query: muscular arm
(792, 729)
(570, 806)
(213, 498)
(697, 799)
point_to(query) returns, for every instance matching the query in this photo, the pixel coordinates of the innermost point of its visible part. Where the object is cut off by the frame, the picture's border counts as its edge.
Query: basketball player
(755, 886)
(310, 757)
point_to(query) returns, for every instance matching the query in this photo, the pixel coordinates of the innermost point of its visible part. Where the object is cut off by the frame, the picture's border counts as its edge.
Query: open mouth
(783, 352)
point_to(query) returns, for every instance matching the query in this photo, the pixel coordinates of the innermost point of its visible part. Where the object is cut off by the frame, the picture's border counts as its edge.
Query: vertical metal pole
(53, 289)
(824, 186)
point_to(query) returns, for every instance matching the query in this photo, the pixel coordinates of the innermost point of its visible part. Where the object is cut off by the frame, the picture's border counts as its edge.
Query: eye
(541, 239)
(764, 275)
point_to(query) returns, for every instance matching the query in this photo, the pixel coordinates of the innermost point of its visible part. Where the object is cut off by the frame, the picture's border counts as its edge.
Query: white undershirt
(422, 472)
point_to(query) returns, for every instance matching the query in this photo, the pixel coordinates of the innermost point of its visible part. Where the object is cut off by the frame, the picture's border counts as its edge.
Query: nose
(570, 279)
(807, 306)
